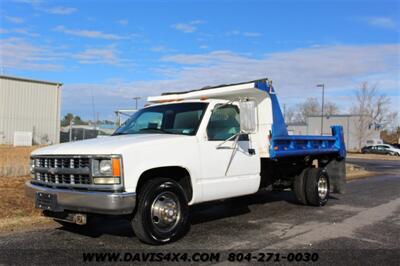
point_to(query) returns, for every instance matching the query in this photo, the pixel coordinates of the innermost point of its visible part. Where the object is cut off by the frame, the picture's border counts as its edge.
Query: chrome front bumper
(87, 201)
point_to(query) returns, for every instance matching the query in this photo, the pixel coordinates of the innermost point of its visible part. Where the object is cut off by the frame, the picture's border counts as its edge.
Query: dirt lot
(355, 172)
(372, 156)
(17, 212)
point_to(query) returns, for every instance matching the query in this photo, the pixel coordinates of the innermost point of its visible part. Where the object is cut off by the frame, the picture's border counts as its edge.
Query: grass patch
(14, 161)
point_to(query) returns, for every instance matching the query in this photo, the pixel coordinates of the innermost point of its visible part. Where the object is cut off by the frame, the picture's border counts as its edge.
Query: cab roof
(224, 91)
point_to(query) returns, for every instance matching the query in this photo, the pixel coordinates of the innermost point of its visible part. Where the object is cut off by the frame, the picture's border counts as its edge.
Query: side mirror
(248, 123)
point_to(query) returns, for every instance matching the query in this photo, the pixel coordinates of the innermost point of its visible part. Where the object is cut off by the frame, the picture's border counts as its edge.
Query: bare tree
(374, 111)
(308, 108)
(331, 108)
(290, 115)
(312, 107)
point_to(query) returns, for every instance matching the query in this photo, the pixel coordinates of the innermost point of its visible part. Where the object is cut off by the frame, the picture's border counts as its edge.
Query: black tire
(314, 176)
(148, 228)
(299, 187)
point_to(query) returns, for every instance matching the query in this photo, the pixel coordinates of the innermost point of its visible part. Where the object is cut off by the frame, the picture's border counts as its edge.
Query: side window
(224, 123)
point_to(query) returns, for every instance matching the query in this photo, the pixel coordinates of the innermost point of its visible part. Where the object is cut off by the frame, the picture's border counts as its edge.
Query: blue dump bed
(284, 145)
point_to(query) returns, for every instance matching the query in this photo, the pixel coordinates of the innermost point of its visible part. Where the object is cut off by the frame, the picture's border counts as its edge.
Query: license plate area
(46, 201)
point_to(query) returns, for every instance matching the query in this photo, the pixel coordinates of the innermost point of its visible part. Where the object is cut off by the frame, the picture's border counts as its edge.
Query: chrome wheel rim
(322, 187)
(165, 212)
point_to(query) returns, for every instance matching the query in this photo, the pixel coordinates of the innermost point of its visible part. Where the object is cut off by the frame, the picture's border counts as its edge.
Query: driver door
(229, 168)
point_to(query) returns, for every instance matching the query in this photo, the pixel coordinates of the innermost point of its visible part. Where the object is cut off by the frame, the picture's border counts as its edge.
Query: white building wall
(297, 129)
(349, 124)
(28, 105)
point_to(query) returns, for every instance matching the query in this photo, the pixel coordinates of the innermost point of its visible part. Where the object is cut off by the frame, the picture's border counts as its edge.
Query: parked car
(397, 146)
(381, 149)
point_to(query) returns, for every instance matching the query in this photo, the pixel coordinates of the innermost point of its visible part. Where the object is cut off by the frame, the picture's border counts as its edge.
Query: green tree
(67, 119)
(78, 121)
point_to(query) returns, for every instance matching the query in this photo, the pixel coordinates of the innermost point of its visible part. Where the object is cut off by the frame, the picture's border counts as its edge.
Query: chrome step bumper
(87, 201)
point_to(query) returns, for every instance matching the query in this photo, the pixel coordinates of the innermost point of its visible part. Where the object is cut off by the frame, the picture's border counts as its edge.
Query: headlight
(105, 167)
(32, 167)
(106, 171)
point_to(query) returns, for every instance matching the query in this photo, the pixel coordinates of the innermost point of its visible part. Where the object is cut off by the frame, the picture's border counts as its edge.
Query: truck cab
(183, 149)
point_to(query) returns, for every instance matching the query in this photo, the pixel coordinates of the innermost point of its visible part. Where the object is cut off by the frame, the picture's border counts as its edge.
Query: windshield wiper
(156, 129)
(119, 133)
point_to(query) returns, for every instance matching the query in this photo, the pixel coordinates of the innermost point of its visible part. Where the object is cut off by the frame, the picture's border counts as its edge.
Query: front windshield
(178, 118)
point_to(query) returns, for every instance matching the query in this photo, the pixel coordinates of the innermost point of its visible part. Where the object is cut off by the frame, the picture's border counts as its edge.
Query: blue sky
(115, 50)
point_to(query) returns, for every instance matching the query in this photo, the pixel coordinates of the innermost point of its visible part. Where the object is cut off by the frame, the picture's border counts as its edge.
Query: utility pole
(322, 110)
(284, 112)
(70, 130)
(136, 100)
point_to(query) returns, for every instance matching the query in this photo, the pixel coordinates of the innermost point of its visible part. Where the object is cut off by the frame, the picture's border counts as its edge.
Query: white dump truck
(182, 149)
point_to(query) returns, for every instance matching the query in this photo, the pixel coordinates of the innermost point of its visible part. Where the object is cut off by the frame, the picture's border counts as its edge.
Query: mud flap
(337, 175)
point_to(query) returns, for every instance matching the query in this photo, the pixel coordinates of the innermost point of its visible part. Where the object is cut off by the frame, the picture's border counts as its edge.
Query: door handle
(252, 151)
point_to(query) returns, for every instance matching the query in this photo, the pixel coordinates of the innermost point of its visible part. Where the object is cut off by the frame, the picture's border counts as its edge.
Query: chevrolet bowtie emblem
(52, 171)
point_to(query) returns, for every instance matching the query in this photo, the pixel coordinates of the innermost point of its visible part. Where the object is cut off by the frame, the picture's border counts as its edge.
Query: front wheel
(162, 213)
(317, 187)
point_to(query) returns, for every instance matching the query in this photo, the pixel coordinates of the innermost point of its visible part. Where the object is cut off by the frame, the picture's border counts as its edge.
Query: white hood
(105, 145)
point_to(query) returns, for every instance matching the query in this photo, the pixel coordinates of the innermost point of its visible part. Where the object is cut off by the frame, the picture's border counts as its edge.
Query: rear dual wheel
(312, 187)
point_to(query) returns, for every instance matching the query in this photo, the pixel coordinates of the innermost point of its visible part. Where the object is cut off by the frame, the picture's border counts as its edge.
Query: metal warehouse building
(29, 106)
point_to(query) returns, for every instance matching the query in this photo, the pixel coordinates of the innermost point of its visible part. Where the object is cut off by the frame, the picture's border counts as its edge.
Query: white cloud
(56, 10)
(22, 31)
(252, 34)
(245, 34)
(30, 2)
(382, 22)
(16, 53)
(295, 73)
(59, 10)
(16, 20)
(187, 27)
(88, 33)
(105, 55)
(123, 22)
(26, 32)
(158, 48)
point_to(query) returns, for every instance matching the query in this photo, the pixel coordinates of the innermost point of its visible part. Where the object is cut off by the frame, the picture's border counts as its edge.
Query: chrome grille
(62, 162)
(62, 170)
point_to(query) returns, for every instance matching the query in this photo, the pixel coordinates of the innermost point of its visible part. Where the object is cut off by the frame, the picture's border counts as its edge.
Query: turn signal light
(116, 167)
